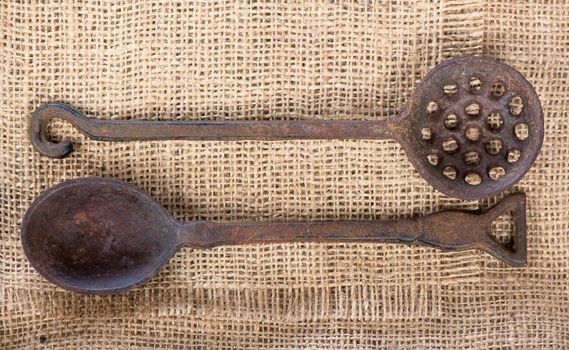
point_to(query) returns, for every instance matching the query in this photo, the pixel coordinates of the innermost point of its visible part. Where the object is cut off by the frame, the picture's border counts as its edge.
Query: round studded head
(476, 127)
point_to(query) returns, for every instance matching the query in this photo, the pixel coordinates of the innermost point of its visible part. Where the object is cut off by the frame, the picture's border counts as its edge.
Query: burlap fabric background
(270, 60)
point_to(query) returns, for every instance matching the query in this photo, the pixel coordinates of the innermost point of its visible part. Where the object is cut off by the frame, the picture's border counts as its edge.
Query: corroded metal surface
(104, 236)
(459, 128)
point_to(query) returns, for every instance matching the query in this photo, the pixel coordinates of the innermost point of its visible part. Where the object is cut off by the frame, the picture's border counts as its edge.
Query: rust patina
(104, 236)
(472, 128)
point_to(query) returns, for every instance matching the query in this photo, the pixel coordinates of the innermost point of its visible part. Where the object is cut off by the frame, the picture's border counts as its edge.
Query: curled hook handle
(146, 130)
(37, 130)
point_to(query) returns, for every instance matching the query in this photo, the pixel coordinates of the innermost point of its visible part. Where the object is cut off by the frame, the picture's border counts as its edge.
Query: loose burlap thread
(250, 60)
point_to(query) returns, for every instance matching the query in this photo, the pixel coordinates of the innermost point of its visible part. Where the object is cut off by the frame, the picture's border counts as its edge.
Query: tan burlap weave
(279, 60)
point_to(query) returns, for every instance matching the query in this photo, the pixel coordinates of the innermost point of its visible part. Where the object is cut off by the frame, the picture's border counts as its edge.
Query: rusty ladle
(472, 128)
(104, 236)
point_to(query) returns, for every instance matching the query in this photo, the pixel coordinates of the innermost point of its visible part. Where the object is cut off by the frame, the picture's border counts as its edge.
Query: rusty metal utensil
(472, 128)
(104, 236)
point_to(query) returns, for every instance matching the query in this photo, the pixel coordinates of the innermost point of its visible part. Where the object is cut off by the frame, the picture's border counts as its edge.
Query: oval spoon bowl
(98, 236)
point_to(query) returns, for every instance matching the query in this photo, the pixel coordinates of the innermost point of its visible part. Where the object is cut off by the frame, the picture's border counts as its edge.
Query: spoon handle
(133, 130)
(447, 230)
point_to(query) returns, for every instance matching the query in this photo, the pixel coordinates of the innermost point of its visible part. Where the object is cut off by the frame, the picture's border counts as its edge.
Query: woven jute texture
(249, 60)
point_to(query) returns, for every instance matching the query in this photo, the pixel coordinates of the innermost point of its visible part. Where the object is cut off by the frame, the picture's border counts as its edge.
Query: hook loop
(37, 129)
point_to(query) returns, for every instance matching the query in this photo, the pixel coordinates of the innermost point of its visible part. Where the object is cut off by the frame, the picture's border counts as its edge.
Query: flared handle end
(514, 252)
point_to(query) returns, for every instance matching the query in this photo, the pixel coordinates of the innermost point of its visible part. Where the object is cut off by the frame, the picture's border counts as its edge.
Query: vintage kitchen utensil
(472, 128)
(104, 236)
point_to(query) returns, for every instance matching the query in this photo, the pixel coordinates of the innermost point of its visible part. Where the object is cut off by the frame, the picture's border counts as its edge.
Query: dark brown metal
(104, 236)
(450, 129)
